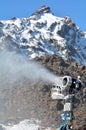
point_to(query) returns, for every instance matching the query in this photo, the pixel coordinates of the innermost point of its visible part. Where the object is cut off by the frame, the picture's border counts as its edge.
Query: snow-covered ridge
(44, 34)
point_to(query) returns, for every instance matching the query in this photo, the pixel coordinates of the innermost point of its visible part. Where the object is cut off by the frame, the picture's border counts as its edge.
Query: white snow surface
(44, 34)
(25, 125)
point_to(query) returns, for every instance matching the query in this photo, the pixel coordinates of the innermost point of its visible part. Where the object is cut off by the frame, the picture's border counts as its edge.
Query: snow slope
(24, 125)
(44, 34)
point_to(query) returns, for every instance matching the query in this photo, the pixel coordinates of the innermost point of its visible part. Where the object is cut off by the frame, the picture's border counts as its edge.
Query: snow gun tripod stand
(67, 116)
(66, 91)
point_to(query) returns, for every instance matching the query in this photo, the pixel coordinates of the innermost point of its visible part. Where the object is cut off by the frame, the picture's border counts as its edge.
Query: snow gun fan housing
(68, 84)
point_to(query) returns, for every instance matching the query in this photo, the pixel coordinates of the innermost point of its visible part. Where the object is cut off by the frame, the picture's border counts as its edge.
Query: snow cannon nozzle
(71, 83)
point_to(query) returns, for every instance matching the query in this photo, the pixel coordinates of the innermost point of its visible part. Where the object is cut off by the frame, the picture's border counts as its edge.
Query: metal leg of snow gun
(67, 116)
(68, 122)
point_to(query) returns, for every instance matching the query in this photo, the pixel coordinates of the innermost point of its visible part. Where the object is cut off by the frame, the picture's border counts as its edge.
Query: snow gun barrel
(72, 84)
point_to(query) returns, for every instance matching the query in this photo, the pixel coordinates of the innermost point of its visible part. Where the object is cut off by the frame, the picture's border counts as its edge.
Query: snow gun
(66, 91)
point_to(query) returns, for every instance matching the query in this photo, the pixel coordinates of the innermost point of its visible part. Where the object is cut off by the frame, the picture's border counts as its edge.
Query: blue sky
(76, 9)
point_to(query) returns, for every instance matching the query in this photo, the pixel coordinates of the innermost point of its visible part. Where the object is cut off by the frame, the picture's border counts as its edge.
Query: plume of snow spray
(14, 67)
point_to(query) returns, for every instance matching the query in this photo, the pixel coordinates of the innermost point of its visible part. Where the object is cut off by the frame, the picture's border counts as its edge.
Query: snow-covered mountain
(44, 34)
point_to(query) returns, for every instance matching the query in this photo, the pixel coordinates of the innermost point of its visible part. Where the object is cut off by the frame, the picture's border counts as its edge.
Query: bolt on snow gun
(66, 91)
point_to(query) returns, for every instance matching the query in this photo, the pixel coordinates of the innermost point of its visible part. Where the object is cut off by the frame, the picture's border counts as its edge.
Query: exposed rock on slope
(58, 66)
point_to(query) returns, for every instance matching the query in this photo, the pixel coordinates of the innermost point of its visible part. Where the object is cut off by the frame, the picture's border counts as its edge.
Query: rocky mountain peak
(42, 10)
(44, 34)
